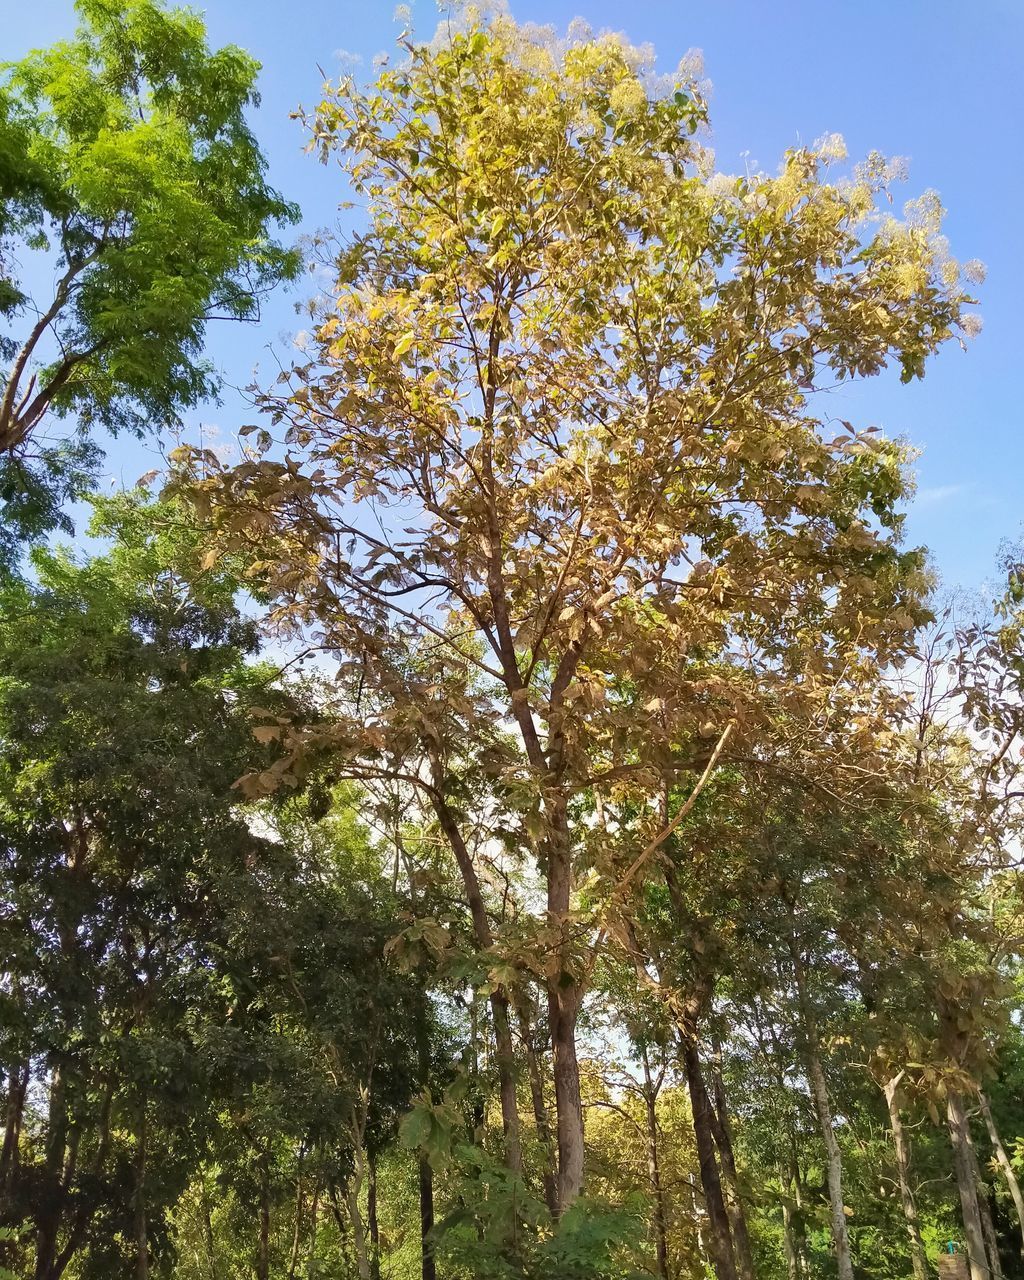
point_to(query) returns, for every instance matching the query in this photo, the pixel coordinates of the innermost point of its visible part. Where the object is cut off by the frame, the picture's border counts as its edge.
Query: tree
(555, 437)
(126, 163)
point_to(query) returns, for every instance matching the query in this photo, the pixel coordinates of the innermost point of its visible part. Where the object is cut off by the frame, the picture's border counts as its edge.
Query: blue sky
(938, 82)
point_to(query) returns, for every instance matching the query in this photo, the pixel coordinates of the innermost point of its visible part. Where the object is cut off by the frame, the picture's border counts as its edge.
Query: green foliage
(126, 155)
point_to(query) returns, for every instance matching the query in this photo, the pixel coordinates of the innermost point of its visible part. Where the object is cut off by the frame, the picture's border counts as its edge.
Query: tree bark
(563, 1011)
(371, 1215)
(428, 1269)
(50, 1209)
(564, 997)
(789, 1245)
(720, 1245)
(654, 1171)
(823, 1109)
(722, 1130)
(1003, 1160)
(988, 1228)
(17, 1087)
(834, 1168)
(902, 1146)
(504, 1050)
(963, 1166)
(141, 1234)
(263, 1245)
(540, 1113)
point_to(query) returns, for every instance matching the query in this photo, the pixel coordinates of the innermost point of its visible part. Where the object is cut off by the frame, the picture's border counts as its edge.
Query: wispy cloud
(938, 493)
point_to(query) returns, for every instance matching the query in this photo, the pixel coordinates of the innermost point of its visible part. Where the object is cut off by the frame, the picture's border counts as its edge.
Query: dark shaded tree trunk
(654, 1171)
(373, 1226)
(720, 1245)
(50, 1209)
(263, 1243)
(428, 1269)
(141, 1232)
(722, 1129)
(14, 1107)
(425, 1174)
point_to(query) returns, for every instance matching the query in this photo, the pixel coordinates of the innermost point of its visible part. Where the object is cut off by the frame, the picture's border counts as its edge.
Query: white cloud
(931, 497)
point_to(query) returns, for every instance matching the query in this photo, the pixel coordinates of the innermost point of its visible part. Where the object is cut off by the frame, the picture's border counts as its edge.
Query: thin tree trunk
(720, 1244)
(654, 1171)
(722, 1130)
(988, 1228)
(51, 1206)
(564, 997)
(963, 1166)
(371, 1215)
(263, 1247)
(141, 1234)
(504, 1051)
(834, 1167)
(902, 1147)
(428, 1265)
(428, 1270)
(17, 1087)
(789, 1246)
(1003, 1160)
(540, 1114)
(293, 1260)
(822, 1106)
(355, 1217)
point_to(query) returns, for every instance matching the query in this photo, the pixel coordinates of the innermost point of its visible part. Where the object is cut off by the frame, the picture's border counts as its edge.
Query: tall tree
(127, 163)
(555, 437)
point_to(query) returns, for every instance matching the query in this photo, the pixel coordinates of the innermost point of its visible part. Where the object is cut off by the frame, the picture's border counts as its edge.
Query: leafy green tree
(128, 168)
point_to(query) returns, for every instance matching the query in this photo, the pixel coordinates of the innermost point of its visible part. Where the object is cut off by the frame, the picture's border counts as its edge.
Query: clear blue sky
(938, 81)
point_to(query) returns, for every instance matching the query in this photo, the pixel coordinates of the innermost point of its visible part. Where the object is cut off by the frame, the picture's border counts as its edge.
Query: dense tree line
(528, 813)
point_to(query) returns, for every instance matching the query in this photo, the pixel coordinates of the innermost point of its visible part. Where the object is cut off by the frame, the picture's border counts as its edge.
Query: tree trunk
(50, 1208)
(720, 1244)
(355, 1217)
(17, 1087)
(823, 1109)
(141, 1234)
(563, 1012)
(564, 996)
(988, 1229)
(789, 1245)
(428, 1266)
(504, 1052)
(902, 1147)
(428, 1270)
(540, 1112)
(834, 1168)
(1003, 1160)
(263, 1247)
(722, 1130)
(371, 1215)
(654, 1173)
(963, 1166)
